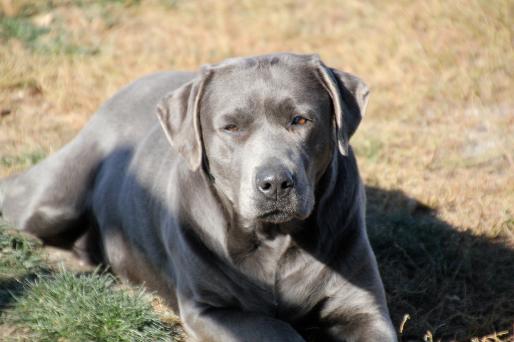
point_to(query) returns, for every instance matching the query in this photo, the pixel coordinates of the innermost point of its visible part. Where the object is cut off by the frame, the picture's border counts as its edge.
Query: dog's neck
(318, 234)
(334, 221)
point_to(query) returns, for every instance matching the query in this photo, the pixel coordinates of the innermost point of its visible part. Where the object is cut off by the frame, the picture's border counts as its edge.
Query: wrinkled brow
(290, 106)
(240, 116)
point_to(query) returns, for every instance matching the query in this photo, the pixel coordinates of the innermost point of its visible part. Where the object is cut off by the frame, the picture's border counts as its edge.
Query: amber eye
(299, 120)
(231, 128)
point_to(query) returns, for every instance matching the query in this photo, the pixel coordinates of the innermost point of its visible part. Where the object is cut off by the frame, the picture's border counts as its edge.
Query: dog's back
(50, 200)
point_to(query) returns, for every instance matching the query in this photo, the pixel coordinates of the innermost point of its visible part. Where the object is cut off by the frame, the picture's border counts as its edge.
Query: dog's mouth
(276, 216)
(282, 215)
(293, 208)
(283, 212)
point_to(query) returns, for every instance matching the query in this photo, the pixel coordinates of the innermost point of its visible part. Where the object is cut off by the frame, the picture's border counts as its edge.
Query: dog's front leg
(373, 330)
(355, 309)
(205, 323)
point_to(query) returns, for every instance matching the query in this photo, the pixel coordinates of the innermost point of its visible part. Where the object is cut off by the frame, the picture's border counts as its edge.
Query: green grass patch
(19, 254)
(23, 160)
(20, 28)
(27, 8)
(57, 38)
(20, 259)
(54, 40)
(39, 303)
(70, 307)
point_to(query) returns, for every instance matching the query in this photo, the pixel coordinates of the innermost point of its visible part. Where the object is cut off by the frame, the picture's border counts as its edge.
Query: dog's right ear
(179, 115)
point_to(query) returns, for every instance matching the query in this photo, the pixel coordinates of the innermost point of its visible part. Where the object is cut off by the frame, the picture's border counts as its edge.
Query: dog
(233, 192)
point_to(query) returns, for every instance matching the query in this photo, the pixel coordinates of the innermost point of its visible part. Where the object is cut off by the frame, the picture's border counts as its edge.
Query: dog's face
(267, 136)
(267, 128)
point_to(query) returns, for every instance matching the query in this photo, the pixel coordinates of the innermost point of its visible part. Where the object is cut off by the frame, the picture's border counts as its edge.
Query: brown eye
(231, 128)
(299, 120)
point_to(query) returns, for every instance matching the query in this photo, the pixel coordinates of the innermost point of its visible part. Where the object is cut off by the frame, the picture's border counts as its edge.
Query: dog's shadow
(450, 282)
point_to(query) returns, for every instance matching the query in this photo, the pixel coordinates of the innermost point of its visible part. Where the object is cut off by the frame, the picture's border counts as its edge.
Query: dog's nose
(274, 182)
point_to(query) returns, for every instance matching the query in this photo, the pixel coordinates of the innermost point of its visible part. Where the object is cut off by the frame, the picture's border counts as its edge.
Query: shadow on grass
(11, 288)
(20, 263)
(453, 283)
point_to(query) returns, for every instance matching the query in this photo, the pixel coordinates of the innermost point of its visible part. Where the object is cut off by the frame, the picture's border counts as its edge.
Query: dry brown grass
(439, 129)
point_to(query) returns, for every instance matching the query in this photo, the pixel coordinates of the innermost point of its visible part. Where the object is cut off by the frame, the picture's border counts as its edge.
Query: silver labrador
(240, 201)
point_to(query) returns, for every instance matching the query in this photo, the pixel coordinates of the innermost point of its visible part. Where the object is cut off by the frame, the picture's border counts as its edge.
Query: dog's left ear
(179, 115)
(350, 98)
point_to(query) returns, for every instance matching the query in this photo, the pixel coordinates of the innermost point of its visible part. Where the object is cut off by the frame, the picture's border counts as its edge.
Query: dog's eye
(299, 120)
(231, 128)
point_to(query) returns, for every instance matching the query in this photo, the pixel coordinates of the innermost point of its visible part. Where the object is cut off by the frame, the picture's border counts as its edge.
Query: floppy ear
(178, 113)
(350, 98)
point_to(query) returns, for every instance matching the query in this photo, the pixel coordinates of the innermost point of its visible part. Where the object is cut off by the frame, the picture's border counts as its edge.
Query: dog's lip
(271, 212)
(275, 216)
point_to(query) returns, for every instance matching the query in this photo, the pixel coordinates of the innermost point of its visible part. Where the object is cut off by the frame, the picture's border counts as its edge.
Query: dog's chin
(276, 217)
(283, 215)
(295, 209)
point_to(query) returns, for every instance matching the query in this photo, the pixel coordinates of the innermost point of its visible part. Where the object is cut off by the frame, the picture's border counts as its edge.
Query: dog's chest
(291, 276)
(267, 259)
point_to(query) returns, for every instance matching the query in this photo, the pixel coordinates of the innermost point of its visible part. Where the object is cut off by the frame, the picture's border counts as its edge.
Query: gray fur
(188, 219)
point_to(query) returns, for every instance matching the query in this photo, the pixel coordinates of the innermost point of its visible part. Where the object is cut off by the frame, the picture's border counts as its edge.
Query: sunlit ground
(436, 148)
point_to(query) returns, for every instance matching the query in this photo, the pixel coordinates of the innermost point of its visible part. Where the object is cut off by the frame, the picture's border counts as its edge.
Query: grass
(86, 308)
(447, 281)
(23, 160)
(435, 149)
(41, 302)
(21, 29)
(19, 254)
(43, 32)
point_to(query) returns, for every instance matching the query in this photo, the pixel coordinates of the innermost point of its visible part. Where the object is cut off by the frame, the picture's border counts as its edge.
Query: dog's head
(266, 129)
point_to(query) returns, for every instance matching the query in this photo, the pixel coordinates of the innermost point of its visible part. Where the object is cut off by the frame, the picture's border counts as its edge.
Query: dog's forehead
(266, 60)
(275, 77)
(276, 67)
